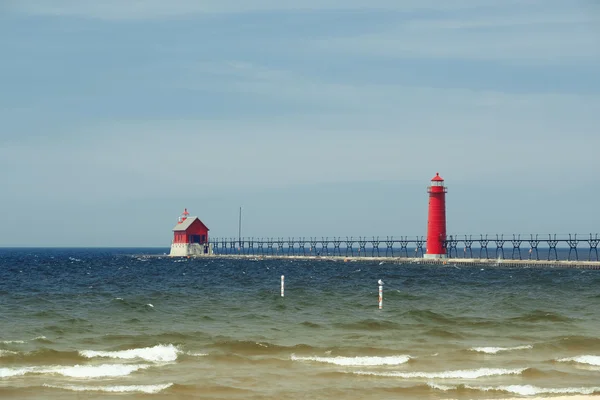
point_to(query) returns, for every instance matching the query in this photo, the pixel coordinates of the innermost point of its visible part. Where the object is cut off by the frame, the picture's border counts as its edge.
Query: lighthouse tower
(190, 237)
(436, 221)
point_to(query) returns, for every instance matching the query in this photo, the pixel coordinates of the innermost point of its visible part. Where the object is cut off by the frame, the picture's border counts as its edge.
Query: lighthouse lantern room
(436, 220)
(190, 237)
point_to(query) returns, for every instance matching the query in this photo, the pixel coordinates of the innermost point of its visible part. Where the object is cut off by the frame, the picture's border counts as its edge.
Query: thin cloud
(157, 9)
(520, 37)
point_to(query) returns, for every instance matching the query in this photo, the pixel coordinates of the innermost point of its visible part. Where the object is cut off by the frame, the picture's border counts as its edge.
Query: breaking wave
(457, 374)
(159, 353)
(522, 390)
(586, 359)
(150, 389)
(77, 371)
(495, 350)
(357, 361)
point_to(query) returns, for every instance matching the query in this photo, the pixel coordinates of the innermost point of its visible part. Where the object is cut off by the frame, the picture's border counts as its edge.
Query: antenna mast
(240, 229)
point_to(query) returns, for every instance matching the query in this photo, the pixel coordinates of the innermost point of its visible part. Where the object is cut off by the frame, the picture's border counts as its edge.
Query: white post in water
(282, 285)
(380, 293)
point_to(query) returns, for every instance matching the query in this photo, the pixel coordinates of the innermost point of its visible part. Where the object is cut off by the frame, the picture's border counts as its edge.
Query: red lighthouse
(436, 221)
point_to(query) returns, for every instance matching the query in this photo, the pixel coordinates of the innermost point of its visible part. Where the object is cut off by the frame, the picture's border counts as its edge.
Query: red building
(190, 236)
(190, 230)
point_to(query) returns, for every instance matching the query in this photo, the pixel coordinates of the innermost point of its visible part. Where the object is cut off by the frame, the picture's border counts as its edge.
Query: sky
(319, 118)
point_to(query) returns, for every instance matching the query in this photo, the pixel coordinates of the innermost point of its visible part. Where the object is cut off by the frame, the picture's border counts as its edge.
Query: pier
(454, 262)
(487, 247)
(437, 247)
(550, 250)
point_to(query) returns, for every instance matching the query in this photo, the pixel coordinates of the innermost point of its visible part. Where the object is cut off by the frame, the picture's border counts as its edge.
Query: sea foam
(159, 353)
(76, 371)
(586, 359)
(150, 389)
(522, 390)
(357, 361)
(457, 374)
(12, 342)
(495, 350)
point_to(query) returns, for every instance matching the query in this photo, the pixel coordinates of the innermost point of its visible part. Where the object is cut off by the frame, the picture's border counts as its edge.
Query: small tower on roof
(190, 237)
(184, 215)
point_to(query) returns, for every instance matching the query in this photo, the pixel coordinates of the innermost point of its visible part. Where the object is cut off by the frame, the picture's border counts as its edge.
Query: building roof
(437, 177)
(187, 223)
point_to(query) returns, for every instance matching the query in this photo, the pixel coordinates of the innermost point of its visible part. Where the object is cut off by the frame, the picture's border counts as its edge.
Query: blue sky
(319, 118)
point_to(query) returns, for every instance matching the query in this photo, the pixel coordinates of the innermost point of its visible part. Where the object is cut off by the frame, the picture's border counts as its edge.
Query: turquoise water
(107, 322)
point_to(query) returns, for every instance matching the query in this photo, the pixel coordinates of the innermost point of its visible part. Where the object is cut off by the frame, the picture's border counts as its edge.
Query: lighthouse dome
(437, 178)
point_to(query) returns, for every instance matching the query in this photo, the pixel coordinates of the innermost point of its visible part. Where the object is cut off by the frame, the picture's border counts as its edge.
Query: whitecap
(530, 390)
(13, 342)
(76, 371)
(444, 388)
(150, 389)
(189, 353)
(586, 359)
(159, 353)
(457, 374)
(357, 361)
(522, 390)
(8, 372)
(7, 353)
(495, 350)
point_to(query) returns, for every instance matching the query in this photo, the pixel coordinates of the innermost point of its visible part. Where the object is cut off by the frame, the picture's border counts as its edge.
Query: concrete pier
(450, 262)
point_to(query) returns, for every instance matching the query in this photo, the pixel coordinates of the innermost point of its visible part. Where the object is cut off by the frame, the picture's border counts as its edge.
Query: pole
(240, 230)
(282, 285)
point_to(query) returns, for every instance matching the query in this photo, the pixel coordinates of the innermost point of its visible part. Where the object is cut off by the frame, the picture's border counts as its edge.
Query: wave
(575, 343)
(369, 325)
(456, 374)
(585, 359)
(77, 371)
(252, 347)
(150, 389)
(522, 390)
(495, 350)
(443, 333)
(147, 340)
(39, 338)
(133, 305)
(541, 316)
(430, 316)
(398, 294)
(41, 355)
(158, 353)
(309, 324)
(357, 361)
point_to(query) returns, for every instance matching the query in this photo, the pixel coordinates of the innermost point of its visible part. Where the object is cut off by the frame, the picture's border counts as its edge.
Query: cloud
(378, 133)
(152, 9)
(520, 35)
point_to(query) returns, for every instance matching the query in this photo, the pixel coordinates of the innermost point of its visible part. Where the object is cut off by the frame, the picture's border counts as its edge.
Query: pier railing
(498, 246)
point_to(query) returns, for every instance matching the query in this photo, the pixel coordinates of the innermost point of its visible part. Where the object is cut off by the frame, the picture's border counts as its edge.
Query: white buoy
(380, 293)
(282, 285)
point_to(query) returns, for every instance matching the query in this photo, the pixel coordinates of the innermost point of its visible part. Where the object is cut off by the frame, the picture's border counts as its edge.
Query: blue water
(115, 322)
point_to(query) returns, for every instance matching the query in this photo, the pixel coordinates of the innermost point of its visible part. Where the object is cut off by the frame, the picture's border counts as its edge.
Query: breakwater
(449, 262)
